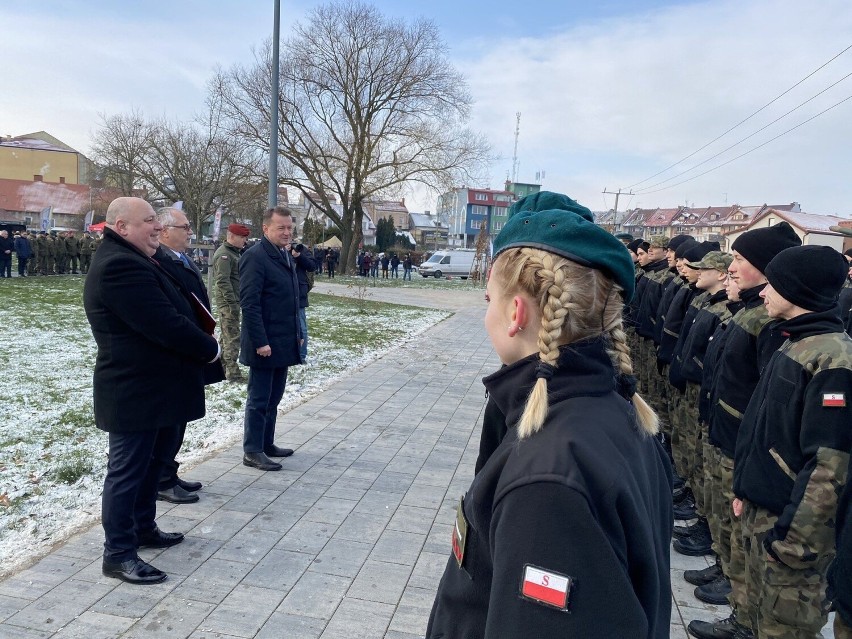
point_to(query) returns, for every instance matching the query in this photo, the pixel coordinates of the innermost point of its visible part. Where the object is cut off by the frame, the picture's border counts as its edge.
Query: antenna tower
(515, 156)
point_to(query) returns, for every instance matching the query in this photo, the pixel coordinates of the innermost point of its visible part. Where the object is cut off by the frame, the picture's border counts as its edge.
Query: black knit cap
(808, 276)
(677, 240)
(684, 247)
(759, 246)
(699, 250)
(635, 244)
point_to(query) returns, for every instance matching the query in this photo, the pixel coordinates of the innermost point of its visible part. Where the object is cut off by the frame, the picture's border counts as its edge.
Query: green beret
(556, 223)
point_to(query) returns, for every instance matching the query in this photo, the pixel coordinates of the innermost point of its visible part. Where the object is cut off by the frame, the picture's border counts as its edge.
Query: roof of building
(809, 222)
(33, 144)
(33, 197)
(661, 217)
(422, 220)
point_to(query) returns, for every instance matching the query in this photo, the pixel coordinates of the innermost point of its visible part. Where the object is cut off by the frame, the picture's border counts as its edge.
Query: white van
(457, 263)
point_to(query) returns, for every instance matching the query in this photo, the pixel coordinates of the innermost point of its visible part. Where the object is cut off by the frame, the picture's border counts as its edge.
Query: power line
(671, 186)
(741, 122)
(763, 128)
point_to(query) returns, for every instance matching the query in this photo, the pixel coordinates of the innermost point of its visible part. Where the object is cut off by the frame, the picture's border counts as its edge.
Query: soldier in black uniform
(565, 529)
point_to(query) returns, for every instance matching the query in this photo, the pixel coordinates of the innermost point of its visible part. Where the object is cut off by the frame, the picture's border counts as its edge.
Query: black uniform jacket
(151, 352)
(671, 288)
(673, 322)
(587, 497)
(188, 279)
(748, 348)
(715, 348)
(631, 312)
(794, 442)
(658, 276)
(269, 299)
(696, 336)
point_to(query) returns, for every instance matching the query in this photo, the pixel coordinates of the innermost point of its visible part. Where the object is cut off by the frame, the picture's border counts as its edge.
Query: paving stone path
(348, 541)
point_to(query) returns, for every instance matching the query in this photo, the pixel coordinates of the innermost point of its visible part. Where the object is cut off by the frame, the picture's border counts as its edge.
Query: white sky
(609, 94)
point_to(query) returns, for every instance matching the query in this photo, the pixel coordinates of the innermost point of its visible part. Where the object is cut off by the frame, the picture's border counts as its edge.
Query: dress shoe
(722, 629)
(189, 486)
(697, 544)
(133, 571)
(705, 576)
(158, 539)
(177, 495)
(716, 592)
(260, 461)
(275, 451)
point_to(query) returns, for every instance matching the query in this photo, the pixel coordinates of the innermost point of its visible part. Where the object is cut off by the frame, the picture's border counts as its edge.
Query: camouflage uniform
(225, 285)
(43, 253)
(791, 464)
(52, 255)
(86, 246)
(32, 265)
(72, 249)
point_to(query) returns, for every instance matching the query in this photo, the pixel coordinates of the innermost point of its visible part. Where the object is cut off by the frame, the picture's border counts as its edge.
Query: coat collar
(274, 252)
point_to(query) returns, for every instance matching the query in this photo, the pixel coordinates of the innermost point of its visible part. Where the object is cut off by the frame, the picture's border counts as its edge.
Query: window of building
(478, 209)
(480, 196)
(498, 226)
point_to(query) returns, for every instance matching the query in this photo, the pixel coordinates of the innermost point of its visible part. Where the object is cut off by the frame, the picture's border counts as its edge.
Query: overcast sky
(610, 92)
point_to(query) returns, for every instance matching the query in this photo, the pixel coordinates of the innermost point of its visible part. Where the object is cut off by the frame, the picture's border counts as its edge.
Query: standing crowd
(43, 253)
(746, 359)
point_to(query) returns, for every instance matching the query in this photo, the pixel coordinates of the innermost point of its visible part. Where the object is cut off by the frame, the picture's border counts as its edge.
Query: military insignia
(546, 587)
(834, 400)
(460, 533)
(223, 257)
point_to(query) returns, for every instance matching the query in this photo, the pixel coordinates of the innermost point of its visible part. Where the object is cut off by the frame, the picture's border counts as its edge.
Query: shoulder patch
(834, 400)
(546, 587)
(223, 257)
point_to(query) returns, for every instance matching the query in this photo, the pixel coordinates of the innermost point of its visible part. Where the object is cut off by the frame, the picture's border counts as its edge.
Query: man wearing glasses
(175, 238)
(148, 379)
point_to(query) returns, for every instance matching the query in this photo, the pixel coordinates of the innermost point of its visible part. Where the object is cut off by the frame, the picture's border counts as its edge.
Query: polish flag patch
(546, 587)
(834, 399)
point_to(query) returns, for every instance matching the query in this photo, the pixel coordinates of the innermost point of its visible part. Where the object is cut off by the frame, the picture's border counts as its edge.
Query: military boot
(722, 629)
(705, 576)
(716, 592)
(698, 543)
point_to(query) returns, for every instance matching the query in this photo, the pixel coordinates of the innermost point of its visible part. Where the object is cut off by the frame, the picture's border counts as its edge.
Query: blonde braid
(554, 307)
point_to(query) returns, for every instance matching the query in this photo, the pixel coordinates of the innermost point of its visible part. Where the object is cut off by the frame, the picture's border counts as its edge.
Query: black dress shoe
(158, 539)
(177, 495)
(722, 629)
(189, 486)
(260, 461)
(716, 592)
(705, 576)
(275, 451)
(133, 571)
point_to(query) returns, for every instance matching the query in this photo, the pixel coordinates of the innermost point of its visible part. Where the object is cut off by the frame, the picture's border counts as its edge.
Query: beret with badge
(239, 229)
(554, 222)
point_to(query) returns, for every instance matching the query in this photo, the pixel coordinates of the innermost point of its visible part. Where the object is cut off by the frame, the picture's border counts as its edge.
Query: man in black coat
(270, 335)
(171, 255)
(148, 380)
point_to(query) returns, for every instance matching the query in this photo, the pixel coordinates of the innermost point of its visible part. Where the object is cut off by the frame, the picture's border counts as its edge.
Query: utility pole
(273, 111)
(615, 219)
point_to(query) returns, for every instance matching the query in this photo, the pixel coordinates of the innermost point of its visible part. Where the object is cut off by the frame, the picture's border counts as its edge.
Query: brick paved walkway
(348, 541)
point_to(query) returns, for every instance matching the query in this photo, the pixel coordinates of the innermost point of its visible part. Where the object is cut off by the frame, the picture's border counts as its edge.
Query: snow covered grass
(52, 458)
(417, 281)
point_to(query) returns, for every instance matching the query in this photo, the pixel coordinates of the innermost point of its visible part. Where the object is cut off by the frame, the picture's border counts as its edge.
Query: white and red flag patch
(834, 399)
(546, 587)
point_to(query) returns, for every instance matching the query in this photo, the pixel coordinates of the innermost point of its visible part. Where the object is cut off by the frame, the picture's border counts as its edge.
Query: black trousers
(168, 462)
(129, 502)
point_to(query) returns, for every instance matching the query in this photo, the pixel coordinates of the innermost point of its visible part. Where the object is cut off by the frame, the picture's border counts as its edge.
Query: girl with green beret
(565, 530)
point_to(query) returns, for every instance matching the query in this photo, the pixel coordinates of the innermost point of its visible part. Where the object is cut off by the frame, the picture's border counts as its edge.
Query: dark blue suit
(269, 299)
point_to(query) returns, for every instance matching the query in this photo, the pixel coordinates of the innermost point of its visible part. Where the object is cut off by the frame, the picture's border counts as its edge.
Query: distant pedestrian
(394, 264)
(406, 267)
(331, 262)
(6, 248)
(565, 530)
(24, 251)
(385, 265)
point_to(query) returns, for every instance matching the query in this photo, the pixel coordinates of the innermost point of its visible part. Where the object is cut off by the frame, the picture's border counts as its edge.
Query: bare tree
(367, 106)
(199, 162)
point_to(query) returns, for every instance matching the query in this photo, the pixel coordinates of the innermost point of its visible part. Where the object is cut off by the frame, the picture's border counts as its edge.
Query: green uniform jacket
(225, 275)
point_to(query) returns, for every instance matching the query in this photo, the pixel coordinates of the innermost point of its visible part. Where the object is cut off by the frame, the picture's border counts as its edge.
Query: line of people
(369, 263)
(745, 358)
(43, 253)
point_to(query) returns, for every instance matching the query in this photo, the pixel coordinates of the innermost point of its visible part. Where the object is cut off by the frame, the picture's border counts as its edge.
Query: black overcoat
(269, 299)
(151, 353)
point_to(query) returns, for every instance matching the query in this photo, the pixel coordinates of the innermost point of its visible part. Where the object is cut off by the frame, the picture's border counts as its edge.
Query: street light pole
(273, 110)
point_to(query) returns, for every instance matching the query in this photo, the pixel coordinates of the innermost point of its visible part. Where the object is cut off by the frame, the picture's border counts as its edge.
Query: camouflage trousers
(676, 417)
(787, 603)
(659, 392)
(718, 497)
(695, 436)
(841, 629)
(229, 326)
(85, 261)
(643, 347)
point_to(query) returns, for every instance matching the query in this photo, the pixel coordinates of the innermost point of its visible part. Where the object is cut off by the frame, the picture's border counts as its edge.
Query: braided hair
(576, 303)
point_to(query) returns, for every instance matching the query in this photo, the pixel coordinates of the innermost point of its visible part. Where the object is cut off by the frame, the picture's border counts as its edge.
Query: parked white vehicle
(455, 263)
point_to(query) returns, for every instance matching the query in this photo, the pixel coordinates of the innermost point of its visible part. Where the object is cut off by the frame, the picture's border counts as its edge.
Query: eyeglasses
(185, 227)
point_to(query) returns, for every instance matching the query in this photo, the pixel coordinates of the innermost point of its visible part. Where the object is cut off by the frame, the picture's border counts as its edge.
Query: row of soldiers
(745, 359)
(59, 253)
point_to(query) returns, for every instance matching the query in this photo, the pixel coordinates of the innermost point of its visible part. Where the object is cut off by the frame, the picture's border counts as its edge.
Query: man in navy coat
(149, 379)
(270, 335)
